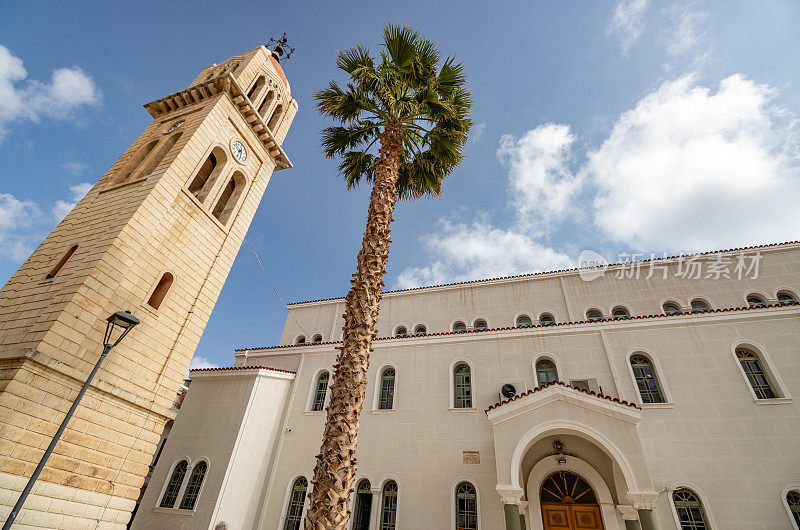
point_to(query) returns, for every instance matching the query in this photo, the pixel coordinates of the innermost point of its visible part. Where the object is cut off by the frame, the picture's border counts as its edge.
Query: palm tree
(417, 111)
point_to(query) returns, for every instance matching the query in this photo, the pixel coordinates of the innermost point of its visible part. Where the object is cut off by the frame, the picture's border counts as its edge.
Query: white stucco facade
(711, 432)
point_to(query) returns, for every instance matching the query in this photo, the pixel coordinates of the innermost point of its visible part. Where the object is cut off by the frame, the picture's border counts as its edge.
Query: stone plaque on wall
(472, 457)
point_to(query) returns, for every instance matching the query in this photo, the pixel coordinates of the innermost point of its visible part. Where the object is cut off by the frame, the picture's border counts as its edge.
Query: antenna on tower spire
(280, 47)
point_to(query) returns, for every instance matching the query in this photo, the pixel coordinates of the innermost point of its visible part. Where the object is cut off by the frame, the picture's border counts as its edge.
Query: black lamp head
(120, 322)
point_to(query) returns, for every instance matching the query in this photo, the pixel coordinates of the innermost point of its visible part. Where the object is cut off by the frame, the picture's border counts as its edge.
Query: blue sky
(630, 126)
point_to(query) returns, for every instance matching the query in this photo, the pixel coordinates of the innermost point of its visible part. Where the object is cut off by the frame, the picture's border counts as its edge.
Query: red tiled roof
(575, 269)
(557, 324)
(220, 369)
(562, 383)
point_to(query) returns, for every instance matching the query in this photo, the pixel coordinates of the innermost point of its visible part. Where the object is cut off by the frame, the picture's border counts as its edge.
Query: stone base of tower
(96, 470)
(56, 506)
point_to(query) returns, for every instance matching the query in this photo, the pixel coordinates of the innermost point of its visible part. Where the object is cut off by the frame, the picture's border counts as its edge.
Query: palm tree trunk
(336, 463)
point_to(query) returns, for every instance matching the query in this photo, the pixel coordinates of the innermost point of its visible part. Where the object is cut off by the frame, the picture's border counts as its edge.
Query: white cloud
(62, 208)
(477, 132)
(688, 169)
(68, 90)
(75, 168)
(479, 250)
(197, 362)
(16, 218)
(540, 178)
(628, 22)
(689, 30)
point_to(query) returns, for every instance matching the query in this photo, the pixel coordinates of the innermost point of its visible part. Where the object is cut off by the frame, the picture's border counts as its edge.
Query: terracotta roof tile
(221, 369)
(562, 383)
(535, 326)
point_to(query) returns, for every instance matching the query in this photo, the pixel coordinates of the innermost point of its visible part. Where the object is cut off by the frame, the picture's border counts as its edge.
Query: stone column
(645, 504)
(630, 515)
(513, 506)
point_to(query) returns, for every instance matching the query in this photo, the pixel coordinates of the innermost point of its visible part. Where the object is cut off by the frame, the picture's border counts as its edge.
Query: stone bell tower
(157, 235)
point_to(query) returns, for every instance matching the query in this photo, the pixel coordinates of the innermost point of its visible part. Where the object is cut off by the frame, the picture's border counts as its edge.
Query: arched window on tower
(276, 117)
(462, 386)
(466, 507)
(546, 372)
(68, 254)
(386, 400)
(229, 198)
(174, 485)
(297, 500)
(266, 104)
(699, 306)
(459, 327)
(162, 151)
(161, 290)
(193, 487)
(546, 319)
(319, 392)
(524, 321)
(134, 164)
(755, 373)
(644, 373)
(691, 514)
(203, 181)
(389, 506)
(256, 89)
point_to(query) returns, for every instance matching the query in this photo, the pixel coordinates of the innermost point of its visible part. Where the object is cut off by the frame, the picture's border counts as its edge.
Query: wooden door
(571, 517)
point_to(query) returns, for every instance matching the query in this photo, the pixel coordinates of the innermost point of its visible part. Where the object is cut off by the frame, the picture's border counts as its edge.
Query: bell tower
(157, 235)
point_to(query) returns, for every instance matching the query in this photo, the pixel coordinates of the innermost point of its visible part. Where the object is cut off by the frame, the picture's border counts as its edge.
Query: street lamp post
(118, 325)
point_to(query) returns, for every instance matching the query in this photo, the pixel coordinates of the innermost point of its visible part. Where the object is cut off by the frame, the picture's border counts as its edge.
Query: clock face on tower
(239, 152)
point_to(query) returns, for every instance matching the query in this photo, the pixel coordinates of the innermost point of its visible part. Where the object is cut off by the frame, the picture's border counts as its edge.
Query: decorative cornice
(562, 383)
(212, 88)
(540, 327)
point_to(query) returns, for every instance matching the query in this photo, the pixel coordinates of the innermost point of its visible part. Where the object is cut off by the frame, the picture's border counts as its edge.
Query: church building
(656, 394)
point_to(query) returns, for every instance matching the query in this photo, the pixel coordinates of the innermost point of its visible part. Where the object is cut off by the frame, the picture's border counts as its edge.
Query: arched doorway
(569, 503)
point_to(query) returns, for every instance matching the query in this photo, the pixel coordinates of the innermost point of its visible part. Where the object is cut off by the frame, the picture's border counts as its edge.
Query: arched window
(363, 505)
(546, 372)
(300, 340)
(466, 507)
(317, 338)
(420, 330)
(160, 154)
(68, 254)
(546, 319)
(133, 165)
(689, 509)
(193, 487)
(793, 502)
(276, 117)
(400, 332)
(754, 300)
(620, 312)
(785, 297)
(386, 400)
(265, 105)
(161, 290)
(203, 181)
(593, 315)
(671, 308)
(389, 506)
(229, 197)
(524, 321)
(756, 375)
(459, 327)
(646, 381)
(297, 499)
(255, 90)
(320, 391)
(699, 305)
(174, 485)
(480, 324)
(462, 386)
